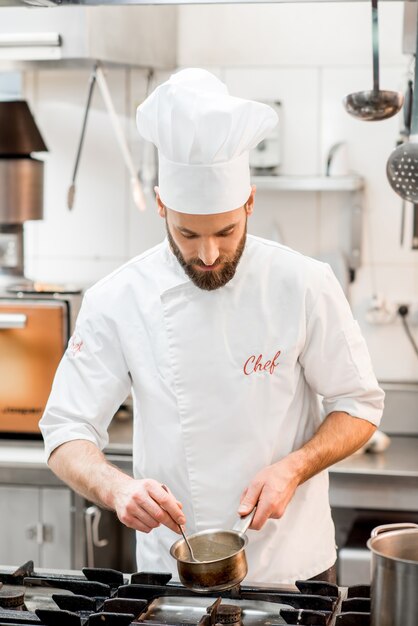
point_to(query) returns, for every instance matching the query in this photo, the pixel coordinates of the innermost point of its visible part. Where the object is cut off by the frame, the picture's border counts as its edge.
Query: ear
(249, 205)
(160, 206)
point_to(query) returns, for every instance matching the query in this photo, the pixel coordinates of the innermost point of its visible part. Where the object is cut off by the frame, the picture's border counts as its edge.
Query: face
(208, 247)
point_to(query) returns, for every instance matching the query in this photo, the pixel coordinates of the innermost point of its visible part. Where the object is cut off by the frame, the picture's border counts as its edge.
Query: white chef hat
(203, 136)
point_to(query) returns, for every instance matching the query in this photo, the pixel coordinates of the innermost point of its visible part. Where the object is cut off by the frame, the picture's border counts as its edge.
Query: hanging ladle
(376, 104)
(402, 165)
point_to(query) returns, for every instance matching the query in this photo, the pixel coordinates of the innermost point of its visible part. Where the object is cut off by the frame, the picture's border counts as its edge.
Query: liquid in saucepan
(212, 548)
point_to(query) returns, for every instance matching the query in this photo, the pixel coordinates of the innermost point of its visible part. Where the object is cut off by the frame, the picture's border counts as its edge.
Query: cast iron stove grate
(355, 609)
(107, 597)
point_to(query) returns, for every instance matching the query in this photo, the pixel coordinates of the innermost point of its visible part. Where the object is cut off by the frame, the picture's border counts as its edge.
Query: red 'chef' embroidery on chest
(256, 364)
(75, 345)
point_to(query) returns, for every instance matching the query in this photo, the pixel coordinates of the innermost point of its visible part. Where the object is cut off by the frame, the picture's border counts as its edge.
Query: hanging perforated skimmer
(402, 165)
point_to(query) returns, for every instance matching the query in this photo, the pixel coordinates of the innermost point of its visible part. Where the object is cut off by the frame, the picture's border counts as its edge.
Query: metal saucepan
(221, 562)
(394, 594)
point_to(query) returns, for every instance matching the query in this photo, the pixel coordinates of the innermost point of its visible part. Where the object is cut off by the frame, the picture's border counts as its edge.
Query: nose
(208, 251)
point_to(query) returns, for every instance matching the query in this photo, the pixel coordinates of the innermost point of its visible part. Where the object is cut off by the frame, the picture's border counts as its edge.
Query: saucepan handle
(388, 527)
(243, 523)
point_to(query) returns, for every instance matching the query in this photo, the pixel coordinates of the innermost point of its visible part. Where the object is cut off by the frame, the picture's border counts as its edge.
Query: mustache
(199, 262)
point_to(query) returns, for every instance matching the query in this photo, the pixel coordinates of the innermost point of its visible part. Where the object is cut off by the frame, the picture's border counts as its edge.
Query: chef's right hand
(145, 504)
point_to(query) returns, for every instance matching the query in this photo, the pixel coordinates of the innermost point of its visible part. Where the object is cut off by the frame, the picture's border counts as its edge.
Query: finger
(244, 493)
(143, 506)
(179, 504)
(143, 526)
(134, 510)
(260, 518)
(242, 503)
(149, 521)
(165, 499)
(250, 499)
(159, 515)
(262, 514)
(143, 516)
(131, 521)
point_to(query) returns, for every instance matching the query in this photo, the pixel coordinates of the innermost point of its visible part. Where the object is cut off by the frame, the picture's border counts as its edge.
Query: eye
(229, 232)
(189, 236)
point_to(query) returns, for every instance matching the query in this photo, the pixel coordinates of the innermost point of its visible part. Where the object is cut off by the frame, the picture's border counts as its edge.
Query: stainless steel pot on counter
(394, 590)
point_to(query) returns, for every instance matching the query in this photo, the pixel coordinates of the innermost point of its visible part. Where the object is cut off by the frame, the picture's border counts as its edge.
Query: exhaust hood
(54, 3)
(141, 36)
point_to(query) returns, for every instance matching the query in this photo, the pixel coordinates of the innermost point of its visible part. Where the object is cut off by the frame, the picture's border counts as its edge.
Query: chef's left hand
(271, 490)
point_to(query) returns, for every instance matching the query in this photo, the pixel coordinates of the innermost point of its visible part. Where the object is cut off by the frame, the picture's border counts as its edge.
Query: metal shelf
(309, 183)
(353, 184)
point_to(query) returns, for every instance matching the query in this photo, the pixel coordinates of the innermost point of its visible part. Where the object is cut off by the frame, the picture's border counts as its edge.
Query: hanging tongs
(138, 195)
(71, 190)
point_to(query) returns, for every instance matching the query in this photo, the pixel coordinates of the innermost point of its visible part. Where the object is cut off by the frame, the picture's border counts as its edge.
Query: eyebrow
(187, 231)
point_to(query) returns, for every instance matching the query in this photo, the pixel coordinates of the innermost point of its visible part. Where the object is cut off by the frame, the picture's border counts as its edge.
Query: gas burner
(228, 614)
(13, 600)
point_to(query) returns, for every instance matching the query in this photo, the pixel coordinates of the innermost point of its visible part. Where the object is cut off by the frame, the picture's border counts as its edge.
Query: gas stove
(98, 596)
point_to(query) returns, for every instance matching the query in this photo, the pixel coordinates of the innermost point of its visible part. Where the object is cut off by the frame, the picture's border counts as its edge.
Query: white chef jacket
(224, 383)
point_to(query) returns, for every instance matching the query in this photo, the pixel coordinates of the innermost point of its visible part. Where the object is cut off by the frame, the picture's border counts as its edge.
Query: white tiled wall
(308, 56)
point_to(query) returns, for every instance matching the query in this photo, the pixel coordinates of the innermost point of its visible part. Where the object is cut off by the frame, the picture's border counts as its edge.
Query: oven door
(33, 337)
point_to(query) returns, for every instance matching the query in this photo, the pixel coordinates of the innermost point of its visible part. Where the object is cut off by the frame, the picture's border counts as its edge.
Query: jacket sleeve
(90, 384)
(335, 357)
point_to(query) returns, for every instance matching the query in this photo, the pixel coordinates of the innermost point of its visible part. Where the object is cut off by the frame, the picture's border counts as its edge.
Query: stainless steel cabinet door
(56, 517)
(19, 525)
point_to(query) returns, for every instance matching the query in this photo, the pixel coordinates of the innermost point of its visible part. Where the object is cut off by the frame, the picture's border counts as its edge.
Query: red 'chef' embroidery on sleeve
(75, 346)
(255, 364)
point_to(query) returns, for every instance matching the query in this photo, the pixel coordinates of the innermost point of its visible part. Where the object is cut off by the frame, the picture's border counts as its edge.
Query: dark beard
(213, 279)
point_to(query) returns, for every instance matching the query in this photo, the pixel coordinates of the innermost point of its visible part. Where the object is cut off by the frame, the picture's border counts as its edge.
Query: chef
(248, 373)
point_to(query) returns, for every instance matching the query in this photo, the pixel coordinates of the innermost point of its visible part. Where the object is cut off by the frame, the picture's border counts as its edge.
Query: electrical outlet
(383, 311)
(412, 304)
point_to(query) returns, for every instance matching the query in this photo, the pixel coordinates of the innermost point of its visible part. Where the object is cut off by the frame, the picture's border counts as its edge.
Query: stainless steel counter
(386, 480)
(23, 462)
(400, 459)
